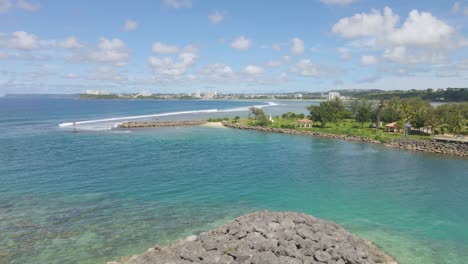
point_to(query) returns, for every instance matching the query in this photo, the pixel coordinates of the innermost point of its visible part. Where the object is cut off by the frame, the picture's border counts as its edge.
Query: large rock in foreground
(269, 238)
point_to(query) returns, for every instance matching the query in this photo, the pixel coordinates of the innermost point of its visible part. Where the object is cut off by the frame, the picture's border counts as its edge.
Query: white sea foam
(109, 123)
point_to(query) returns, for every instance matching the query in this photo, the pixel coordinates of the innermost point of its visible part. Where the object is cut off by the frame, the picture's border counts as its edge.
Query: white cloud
(368, 60)
(421, 38)
(5, 6)
(177, 4)
(70, 43)
(297, 46)
(253, 70)
(422, 29)
(161, 48)
(367, 25)
(218, 72)
(338, 2)
(216, 17)
(273, 63)
(169, 66)
(130, 25)
(241, 43)
(25, 5)
(23, 41)
(456, 7)
(306, 68)
(108, 51)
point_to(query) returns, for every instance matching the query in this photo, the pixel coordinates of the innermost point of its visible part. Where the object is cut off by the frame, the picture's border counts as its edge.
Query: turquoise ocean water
(97, 195)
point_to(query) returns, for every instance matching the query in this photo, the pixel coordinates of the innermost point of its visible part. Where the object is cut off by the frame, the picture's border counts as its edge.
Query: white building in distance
(97, 92)
(197, 94)
(333, 95)
(298, 96)
(145, 93)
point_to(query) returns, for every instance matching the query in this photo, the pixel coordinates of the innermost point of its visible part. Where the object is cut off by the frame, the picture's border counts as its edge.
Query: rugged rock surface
(299, 132)
(445, 148)
(268, 238)
(142, 124)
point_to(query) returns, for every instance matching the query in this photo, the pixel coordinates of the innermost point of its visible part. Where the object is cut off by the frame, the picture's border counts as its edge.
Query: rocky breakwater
(300, 132)
(447, 148)
(268, 238)
(142, 124)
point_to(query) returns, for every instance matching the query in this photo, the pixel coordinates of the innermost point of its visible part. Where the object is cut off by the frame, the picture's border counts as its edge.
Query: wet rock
(268, 238)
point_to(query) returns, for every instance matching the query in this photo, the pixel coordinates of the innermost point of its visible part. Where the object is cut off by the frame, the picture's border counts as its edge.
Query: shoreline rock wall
(143, 124)
(432, 146)
(446, 148)
(300, 132)
(268, 238)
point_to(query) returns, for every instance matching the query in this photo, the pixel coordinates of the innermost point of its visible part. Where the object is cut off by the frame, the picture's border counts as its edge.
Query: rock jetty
(300, 132)
(268, 238)
(447, 148)
(143, 124)
(459, 149)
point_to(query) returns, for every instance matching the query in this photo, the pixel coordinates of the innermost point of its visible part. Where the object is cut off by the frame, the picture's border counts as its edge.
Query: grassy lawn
(347, 127)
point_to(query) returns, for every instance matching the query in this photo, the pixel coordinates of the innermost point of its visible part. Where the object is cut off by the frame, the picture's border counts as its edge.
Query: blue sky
(231, 46)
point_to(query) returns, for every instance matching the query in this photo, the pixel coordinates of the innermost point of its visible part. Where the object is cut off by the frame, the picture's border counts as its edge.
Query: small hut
(304, 123)
(392, 127)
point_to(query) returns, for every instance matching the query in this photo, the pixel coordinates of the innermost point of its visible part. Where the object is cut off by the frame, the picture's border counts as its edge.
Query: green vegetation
(362, 118)
(439, 95)
(219, 119)
(258, 117)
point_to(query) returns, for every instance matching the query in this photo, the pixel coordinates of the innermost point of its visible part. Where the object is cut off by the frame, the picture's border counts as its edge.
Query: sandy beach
(214, 124)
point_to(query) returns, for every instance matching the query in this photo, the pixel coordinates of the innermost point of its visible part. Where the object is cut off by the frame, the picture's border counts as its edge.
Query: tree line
(416, 111)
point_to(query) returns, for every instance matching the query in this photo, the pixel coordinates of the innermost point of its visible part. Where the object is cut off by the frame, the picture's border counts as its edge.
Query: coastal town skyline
(179, 46)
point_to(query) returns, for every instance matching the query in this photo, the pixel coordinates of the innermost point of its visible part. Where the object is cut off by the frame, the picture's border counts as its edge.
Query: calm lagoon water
(95, 196)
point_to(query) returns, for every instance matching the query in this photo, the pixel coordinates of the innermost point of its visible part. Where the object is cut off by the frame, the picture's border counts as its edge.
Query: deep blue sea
(103, 193)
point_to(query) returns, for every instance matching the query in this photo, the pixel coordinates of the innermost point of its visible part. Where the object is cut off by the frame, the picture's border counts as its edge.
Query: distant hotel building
(144, 94)
(97, 92)
(333, 95)
(197, 94)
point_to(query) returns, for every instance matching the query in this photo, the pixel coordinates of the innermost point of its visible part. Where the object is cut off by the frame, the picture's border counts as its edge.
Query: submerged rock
(268, 238)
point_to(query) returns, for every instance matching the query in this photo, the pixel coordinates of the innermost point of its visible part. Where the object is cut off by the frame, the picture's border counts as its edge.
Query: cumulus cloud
(253, 70)
(108, 51)
(130, 25)
(218, 72)
(70, 43)
(421, 33)
(368, 60)
(23, 41)
(161, 48)
(338, 2)
(177, 4)
(241, 43)
(306, 68)
(169, 66)
(216, 17)
(297, 46)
